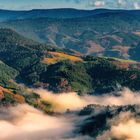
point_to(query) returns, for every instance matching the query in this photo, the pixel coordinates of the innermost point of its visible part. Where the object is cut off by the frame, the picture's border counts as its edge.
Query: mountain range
(87, 59)
(101, 32)
(65, 13)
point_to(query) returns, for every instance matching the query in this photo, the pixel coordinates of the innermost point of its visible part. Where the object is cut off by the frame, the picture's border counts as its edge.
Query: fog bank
(64, 101)
(26, 123)
(129, 130)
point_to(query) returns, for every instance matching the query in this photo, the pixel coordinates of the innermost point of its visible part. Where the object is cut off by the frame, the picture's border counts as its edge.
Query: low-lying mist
(127, 131)
(123, 127)
(72, 101)
(27, 123)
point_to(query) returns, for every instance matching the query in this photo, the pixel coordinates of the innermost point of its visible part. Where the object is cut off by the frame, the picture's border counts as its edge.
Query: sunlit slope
(61, 70)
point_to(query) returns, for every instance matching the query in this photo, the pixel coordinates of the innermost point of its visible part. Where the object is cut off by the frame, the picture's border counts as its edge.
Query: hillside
(44, 66)
(111, 33)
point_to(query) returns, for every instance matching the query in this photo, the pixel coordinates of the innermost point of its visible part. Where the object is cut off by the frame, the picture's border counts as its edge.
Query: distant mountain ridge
(63, 13)
(46, 13)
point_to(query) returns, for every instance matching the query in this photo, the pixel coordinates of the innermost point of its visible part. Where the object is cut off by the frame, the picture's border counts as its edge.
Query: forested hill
(61, 70)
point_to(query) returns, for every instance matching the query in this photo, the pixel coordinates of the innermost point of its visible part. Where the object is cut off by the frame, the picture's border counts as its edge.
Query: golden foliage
(59, 56)
(20, 99)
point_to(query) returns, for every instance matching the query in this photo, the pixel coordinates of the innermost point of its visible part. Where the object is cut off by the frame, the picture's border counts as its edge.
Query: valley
(68, 74)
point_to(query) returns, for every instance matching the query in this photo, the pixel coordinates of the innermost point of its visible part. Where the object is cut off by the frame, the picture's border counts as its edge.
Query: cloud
(128, 131)
(127, 127)
(24, 122)
(99, 3)
(136, 5)
(114, 4)
(95, 3)
(64, 101)
(27, 123)
(121, 3)
(111, 4)
(123, 127)
(79, 4)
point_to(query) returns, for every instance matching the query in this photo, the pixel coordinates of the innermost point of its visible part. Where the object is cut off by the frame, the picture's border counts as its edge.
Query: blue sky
(79, 4)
